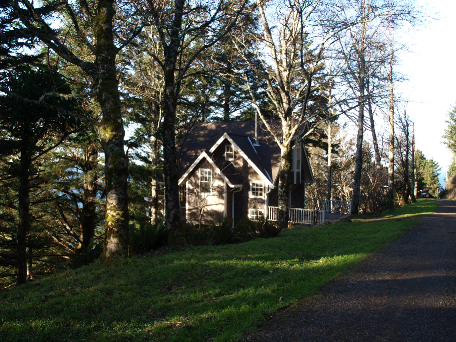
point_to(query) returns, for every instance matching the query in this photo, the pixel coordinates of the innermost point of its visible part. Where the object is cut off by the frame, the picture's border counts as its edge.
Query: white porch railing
(329, 206)
(299, 216)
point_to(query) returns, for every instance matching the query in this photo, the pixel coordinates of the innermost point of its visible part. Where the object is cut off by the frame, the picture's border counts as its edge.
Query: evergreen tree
(90, 36)
(427, 173)
(450, 138)
(30, 131)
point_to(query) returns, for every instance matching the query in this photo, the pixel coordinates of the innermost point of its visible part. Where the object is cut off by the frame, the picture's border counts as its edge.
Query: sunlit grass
(198, 294)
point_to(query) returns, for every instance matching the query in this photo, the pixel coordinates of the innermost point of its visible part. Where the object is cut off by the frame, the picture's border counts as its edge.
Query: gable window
(256, 214)
(229, 152)
(206, 180)
(297, 159)
(256, 189)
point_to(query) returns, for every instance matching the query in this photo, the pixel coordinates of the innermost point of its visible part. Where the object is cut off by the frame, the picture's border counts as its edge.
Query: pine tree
(30, 131)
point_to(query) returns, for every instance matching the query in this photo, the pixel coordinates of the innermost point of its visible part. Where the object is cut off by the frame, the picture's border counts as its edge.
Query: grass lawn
(210, 293)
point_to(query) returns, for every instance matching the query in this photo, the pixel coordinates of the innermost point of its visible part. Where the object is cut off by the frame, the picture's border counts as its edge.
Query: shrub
(267, 229)
(147, 237)
(221, 232)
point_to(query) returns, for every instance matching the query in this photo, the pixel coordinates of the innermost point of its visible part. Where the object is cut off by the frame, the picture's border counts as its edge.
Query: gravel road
(404, 292)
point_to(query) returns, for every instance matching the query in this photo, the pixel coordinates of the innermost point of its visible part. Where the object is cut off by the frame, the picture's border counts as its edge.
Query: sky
(430, 67)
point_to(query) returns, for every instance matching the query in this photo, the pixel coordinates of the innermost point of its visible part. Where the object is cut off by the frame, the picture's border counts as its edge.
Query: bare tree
(290, 61)
(358, 44)
(403, 142)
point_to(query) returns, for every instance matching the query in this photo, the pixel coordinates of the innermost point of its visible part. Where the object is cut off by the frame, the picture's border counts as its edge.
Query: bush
(221, 232)
(267, 229)
(88, 255)
(147, 237)
(246, 230)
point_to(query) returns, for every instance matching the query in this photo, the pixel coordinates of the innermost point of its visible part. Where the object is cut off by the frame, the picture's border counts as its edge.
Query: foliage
(146, 237)
(450, 139)
(427, 174)
(16, 43)
(267, 229)
(204, 293)
(450, 131)
(35, 120)
(450, 189)
(221, 232)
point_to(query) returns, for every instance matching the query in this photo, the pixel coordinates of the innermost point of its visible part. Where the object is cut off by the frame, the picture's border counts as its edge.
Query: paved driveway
(405, 292)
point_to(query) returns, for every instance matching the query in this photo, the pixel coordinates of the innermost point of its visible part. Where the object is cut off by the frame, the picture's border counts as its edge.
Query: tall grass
(206, 293)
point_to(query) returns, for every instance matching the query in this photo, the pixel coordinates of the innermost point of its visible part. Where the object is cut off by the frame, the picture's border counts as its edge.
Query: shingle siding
(212, 204)
(263, 164)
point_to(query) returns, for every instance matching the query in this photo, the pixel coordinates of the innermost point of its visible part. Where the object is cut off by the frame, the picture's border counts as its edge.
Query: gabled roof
(205, 137)
(244, 146)
(216, 168)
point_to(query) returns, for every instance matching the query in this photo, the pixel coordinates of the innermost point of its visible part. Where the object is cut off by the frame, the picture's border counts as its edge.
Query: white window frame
(160, 189)
(229, 152)
(255, 214)
(256, 190)
(205, 177)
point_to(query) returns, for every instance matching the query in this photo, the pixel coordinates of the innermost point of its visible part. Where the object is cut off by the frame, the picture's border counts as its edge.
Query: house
(231, 168)
(425, 193)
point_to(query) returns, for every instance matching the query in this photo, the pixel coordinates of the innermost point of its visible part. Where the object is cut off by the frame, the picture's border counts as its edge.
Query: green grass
(213, 293)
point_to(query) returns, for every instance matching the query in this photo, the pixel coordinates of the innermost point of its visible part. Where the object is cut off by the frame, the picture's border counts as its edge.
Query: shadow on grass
(205, 293)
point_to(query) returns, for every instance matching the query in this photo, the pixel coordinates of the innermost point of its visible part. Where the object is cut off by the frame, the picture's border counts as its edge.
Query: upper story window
(206, 180)
(297, 159)
(229, 152)
(256, 189)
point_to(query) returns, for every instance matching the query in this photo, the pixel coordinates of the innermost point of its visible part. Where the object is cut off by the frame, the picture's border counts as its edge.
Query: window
(229, 152)
(182, 195)
(256, 189)
(255, 214)
(206, 180)
(297, 165)
(161, 189)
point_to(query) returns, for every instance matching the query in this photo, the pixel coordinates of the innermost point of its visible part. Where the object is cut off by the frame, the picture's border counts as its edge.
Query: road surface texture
(404, 292)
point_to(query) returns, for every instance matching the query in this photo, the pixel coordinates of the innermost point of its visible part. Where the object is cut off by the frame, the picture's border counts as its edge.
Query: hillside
(197, 293)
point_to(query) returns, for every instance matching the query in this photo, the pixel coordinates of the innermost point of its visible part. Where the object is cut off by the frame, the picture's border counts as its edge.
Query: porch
(299, 216)
(328, 206)
(315, 212)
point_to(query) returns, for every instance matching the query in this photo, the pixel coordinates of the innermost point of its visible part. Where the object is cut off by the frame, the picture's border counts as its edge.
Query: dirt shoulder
(404, 292)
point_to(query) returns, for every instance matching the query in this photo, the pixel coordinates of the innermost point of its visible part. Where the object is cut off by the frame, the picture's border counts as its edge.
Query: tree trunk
(372, 124)
(171, 170)
(24, 213)
(390, 195)
(227, 94)
(154, 182)
(284, 187)
(170, 167)
(406, 194)
(359, 157)
(112, 134)
(412, 175)
(30, 264)
(329, 185)
(90, 188)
